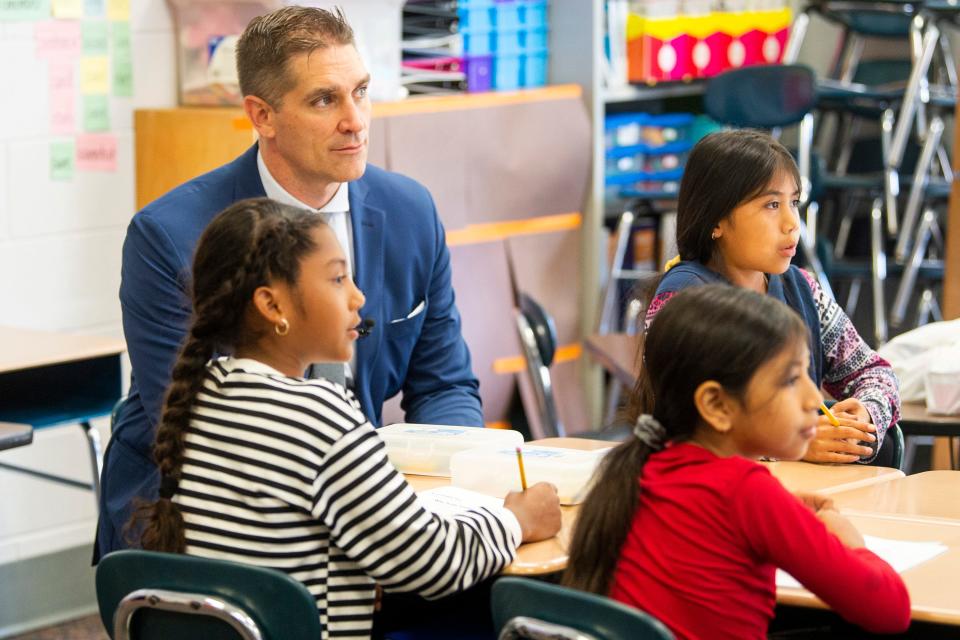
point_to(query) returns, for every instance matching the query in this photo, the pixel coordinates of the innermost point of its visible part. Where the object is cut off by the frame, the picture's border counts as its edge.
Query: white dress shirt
(336, 213)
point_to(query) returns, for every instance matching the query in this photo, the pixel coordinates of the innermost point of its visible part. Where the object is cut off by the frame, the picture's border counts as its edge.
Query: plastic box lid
(495, 471)
(426, 449)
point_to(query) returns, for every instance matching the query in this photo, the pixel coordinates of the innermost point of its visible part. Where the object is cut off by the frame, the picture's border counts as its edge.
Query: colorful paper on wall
(62, 98)
(122, 60)
(97, 152)
(11, 10)
(61, 160)
(67, 9)
(96, 113)
(56, 39)
(94, 8)
(94, 75)
(118, 9)
(96, 38)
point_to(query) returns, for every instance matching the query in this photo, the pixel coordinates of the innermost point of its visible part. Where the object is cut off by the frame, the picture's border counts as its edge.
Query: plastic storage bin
(207, 30)
(494, 471)
(425, 449)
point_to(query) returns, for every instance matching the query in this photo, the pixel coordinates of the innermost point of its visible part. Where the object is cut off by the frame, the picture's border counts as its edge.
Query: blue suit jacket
(401, 260)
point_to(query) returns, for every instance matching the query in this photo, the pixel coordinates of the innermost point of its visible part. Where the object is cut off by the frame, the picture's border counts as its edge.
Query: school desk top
(915, 420)
(15, 435)
(26, 349)
(931, 494)
(934, 594)
(551, 555)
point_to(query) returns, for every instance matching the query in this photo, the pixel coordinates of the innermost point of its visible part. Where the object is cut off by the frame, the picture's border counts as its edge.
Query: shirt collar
(338, 203)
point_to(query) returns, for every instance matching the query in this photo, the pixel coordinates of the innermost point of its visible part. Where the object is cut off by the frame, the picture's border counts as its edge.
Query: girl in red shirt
(682, 522)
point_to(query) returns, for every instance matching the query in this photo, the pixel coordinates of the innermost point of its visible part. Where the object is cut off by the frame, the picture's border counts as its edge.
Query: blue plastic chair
(524, 608)
(146, 595)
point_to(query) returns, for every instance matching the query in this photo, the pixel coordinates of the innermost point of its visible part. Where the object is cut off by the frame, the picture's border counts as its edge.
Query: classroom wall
(60, 256)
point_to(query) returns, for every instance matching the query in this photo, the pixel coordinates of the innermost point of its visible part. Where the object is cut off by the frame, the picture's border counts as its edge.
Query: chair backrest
(544, 329)
(148, 595)
(891, 451)
(538, 337)
(762, 96)
(521, 605)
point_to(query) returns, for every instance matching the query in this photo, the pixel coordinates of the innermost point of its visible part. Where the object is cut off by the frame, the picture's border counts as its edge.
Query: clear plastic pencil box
(426, 449)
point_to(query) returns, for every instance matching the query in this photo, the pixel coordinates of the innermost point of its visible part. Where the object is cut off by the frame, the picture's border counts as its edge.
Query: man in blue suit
(305, 91)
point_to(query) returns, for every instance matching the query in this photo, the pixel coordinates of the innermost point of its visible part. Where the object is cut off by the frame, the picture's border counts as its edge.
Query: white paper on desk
(449, 501)
(899, 554)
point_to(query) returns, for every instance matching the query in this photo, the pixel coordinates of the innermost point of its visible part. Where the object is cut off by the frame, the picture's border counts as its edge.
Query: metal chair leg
(891, 182)
(96, 457)
(608, 311)
(853, 297)
(878, 274)
(909, 278)
(917, 189)
(912, 94)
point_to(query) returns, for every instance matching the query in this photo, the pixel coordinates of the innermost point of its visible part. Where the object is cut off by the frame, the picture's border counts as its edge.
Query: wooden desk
(807, 477)
(915, 421)
(49, 379)
(932, 494)
(15, 435)
(617, 353)
(934, 596)
(549, 556)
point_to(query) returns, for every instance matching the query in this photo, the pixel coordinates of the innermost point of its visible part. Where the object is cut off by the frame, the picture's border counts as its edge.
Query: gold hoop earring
(282, 328)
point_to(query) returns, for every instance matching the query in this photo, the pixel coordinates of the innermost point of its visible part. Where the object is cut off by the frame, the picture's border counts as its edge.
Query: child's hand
(842, 444)
(537, 509)
(842, 528)
(814, 502)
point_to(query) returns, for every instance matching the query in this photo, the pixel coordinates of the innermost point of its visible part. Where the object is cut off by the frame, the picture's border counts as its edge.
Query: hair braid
(246, 246)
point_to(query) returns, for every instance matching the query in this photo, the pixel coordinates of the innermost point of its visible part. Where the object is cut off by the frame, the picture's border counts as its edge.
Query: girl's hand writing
(537, 509)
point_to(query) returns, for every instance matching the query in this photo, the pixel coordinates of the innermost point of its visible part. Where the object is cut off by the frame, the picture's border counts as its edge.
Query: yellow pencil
(832, 418)
(523, 476)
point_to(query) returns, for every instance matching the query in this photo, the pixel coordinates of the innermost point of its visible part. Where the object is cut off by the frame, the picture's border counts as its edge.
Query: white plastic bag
(912, 353)
(942, 381)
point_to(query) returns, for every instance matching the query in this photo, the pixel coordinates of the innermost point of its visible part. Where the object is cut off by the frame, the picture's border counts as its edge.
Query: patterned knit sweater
(851, 369)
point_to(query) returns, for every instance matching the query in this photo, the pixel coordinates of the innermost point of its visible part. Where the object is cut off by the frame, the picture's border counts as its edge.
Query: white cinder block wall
(60, 259)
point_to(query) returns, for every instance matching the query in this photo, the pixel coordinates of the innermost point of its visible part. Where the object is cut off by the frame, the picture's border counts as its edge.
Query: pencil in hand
(523, 476)
(832, 418)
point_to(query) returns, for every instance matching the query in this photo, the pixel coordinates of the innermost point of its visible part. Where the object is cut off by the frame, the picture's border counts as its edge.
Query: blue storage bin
(630, 129)
(479, 42)
(506, 72)
(521, 14)
(535, 69)
(479, 18)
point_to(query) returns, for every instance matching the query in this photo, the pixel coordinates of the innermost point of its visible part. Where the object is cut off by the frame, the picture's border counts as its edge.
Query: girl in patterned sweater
(738, 223)
(683, 523)
(263, 466)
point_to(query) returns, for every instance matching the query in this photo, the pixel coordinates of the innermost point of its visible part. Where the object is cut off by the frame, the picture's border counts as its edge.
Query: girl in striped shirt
(262, 466)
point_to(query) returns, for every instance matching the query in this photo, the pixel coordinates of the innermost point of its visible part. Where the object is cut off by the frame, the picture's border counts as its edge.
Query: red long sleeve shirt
(708, 536)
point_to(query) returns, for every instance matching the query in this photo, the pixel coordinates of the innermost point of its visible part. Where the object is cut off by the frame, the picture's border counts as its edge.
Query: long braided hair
(247, 245)
(712, 332)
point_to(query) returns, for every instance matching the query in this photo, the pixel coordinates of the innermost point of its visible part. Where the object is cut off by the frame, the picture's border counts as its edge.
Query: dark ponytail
(714, 332)
(246, 246)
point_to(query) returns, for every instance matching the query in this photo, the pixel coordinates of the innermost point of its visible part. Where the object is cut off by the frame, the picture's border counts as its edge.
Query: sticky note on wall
(16, 10)
(62, 97)
(61, 160)
(94, 75)
(54, 39)
(122, 60)
(96, 113)
(96, 152)
(95, 38)
(67, 9)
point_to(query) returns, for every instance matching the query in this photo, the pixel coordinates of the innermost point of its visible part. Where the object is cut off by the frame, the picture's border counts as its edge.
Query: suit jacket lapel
(367, 222)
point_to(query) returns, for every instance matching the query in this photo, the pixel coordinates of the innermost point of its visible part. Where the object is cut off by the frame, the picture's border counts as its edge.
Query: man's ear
(268, 305)
(261, 115)
(716, 407)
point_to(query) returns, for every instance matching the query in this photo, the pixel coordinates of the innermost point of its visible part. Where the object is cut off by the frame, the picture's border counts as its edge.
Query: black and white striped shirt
(287, 473)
